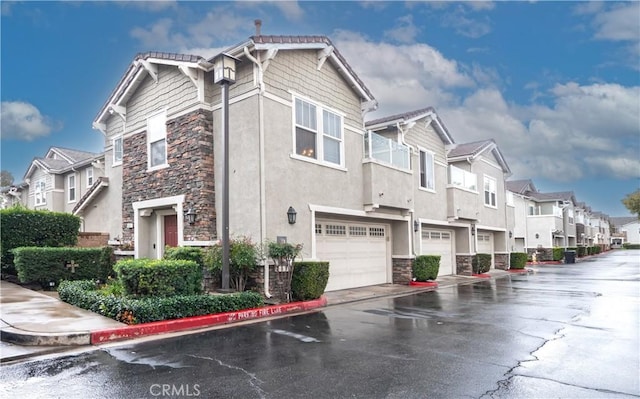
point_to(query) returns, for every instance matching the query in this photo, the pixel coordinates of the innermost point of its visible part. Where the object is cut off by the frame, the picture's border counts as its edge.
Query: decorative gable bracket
(271, 54)
(118, 109)
(152, 69)
(323, 55)
(191, 73)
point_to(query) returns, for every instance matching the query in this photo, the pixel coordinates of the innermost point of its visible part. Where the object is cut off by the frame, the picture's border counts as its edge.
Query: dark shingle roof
(558, 196)
(469, 149)
(520, 186)
(76, 155)
(445, 136)
(620, 221)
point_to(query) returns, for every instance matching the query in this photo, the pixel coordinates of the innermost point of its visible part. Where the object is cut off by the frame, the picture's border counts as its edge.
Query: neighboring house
(13, 195)
(59, 180)
(601, 230)
(627, 229)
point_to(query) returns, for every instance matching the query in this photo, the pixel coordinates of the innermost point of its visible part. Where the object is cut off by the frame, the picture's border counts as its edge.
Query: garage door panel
(439, 242)
(357, 253)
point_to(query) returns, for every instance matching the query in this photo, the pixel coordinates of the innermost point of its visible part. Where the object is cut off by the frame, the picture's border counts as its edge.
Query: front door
(171, 230)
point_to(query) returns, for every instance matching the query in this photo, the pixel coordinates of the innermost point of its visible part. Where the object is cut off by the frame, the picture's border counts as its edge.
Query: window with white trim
(89, 177)
(40, 195)
(427, 177)
(570, 216)
(318, 133)
(490, 191)
(117, 151)
(71, 188)
(157, 140)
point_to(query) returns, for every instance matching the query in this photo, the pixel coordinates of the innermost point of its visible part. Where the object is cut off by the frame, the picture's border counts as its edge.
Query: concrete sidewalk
(34, 323)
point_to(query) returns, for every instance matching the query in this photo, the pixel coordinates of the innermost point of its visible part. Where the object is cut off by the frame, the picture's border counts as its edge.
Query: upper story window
(40, 196)
(427, 176)
(570, 216)
(318, 133)
(89, 177)
(510, 200)
(490, 191)
(117, 151)
(157, 140)
(71, 180)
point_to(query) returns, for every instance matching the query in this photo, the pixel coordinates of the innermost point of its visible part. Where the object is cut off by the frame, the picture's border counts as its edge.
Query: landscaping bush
(518, 260)
(159, 277)
(481, 263)
(283, 256)
(45, 265)
(626, 245)
(597, 249)
(425, 267)
(582, 251)
(194, 254)
(243, 254)
(21, 227)
(558, 253)
(85, 295)
(309, 280)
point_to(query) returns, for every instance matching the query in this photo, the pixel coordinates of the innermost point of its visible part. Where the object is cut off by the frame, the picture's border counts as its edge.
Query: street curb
(189, 323)
(482, 275)
(28, 338)
(432, 284)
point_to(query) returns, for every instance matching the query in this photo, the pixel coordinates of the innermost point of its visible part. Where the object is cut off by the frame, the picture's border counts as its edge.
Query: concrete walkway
(33, 323)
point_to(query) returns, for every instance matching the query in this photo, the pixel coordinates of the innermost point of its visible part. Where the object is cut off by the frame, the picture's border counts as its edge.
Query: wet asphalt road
(568, 331)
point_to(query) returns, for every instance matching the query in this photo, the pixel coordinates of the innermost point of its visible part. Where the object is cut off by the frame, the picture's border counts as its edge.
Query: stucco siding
(425, 137)
(490, 216)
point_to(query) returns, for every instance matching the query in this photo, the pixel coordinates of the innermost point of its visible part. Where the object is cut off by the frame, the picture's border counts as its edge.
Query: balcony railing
(386, 151)
(463, 179)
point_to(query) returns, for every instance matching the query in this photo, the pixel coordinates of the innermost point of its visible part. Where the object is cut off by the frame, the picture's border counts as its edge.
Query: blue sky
(556, 84)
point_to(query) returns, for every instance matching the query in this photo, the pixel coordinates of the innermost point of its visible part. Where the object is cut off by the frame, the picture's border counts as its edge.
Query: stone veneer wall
(543, 254)
(463, 265)
(190, 172)
(91, 240)
(256, 280)
(402, 270)
(501, 261)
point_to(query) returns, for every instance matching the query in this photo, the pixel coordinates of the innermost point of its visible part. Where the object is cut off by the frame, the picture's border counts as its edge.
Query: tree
(6, 178)
(632, 202)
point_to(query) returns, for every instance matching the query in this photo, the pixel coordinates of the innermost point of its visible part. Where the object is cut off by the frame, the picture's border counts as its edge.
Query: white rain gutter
(263, 204)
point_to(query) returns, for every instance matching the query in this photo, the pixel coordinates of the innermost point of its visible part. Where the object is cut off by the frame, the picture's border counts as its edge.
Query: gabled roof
(521, 186)
(558, 196)
(144, 63)
(91, 194)
(620, 221)
(471, 151)
(66, 160)
(410, 117)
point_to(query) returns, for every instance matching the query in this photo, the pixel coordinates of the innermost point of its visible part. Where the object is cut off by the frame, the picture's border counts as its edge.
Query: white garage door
(485, 244)
(439, 242)
(357, 253)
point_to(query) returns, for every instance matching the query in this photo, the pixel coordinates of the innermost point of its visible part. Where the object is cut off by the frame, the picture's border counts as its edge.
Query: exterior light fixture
(510, 234)
(224, 74)
(416, 225)
(537, 235)
(291, 215)
(190, 216)
(473, 229)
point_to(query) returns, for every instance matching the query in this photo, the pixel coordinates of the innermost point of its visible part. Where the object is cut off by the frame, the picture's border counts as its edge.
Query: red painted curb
(423, 283)
(482, 275)
(188, 323)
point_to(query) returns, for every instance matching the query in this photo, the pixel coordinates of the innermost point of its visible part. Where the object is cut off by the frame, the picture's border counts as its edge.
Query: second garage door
(357, 253)
(439, 242)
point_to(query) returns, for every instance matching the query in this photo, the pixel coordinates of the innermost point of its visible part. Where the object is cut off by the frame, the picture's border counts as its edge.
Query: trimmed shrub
(626, 245)
(21, 227)
(85, 295)
(159, 277)
(558, 253)
(582, 251)
(44, 265)
(518, 260)
(195, 254)
(598, 249)
(481, 263)
(425, 267)
(243, 254)
(309, 280)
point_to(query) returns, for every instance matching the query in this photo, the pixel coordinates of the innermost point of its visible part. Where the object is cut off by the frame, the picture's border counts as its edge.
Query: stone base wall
(255, 282)
(402, 270)
(501, 261)
(92, 240)
(463, 265)
(542, 254)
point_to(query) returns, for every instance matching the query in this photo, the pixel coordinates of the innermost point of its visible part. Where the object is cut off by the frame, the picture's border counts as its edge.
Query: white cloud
(620, 23)
(153, 6)
(481, 5)
(405, 30)
(463, 25)
(23, 121)
(290, 9)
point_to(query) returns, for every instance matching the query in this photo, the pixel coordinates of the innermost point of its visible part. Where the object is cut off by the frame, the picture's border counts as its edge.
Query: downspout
(263, 204)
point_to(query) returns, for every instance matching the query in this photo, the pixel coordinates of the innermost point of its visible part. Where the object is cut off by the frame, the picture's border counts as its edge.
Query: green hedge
(309, 280)
(582, 251)
(481, 263)
(626, 245)
(518, 260)
(558, 253)
(425, 267)
(159, 277)
(21, 227)
(84, 294)
(194, 254)
(45, 265)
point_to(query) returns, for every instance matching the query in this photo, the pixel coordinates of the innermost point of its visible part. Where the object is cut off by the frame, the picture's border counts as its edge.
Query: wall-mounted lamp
(473, 229)
(537, 235)
(190, 216)
(510, 234)
(416, 225)
(291, 215)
